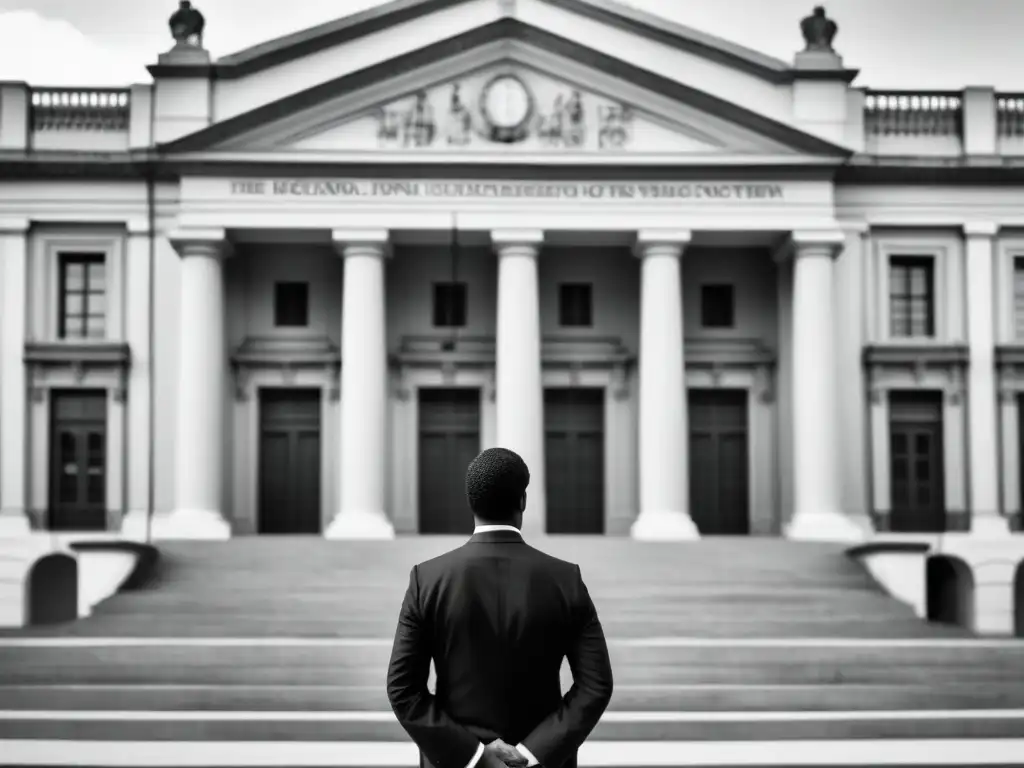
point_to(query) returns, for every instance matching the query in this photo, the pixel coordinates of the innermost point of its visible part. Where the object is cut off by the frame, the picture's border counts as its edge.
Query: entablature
(46, 360)
(916, 366)
(288, 356)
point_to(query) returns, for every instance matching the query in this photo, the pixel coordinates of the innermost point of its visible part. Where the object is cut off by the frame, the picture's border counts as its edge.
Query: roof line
(352, 27)
(510, 28)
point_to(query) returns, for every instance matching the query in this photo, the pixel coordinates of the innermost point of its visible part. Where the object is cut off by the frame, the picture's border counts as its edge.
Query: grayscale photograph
(511, 384)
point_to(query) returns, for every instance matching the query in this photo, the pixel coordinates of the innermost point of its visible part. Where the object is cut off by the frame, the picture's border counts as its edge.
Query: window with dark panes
(717, 306)
(83, 296)
(449, 305)
(1018, 297)
(291, 305)
(912, 296)
(576, 305)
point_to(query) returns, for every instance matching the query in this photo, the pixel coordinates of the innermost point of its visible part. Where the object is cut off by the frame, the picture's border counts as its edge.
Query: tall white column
(664, 425)
(364, 373)
(14, 295)
(983, 409)
(202, 381)
(519, 396)
(817, 496)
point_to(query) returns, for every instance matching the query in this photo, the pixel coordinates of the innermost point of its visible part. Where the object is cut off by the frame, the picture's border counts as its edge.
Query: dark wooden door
(78, 460)
(574, 459)
(719, 461)
(449, 439)
(289, 482)
(917, 465)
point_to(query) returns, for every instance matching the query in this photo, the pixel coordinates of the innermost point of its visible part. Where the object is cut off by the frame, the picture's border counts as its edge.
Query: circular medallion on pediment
(507, 107)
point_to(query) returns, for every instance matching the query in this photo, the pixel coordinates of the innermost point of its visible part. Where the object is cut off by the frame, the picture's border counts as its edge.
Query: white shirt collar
(489, 528)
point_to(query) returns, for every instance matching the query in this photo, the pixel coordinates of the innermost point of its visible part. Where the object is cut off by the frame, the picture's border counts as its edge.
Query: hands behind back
(498, 754)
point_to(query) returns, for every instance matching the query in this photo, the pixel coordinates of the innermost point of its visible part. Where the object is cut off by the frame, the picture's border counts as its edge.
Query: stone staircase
(723, 643)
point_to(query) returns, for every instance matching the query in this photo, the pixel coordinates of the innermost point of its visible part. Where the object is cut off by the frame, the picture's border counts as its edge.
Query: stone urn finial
(819, 31)
(187, 25)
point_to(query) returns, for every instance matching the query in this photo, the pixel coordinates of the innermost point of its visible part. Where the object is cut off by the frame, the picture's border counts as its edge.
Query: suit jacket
(498, 617)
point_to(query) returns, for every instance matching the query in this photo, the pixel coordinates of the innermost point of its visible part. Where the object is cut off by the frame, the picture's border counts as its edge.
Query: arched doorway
(52, 590)
(949, 591)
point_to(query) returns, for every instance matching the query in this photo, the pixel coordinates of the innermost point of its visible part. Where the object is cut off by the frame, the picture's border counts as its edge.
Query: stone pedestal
(519, 396)
(664, 431)
(364, 374)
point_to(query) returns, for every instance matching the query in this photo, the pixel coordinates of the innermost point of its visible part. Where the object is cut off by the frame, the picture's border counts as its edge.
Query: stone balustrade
(919, 123)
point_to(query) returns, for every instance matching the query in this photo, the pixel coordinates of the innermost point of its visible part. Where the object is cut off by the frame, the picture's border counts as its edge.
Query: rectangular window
(717, 306)
(83, 296)
(449, 305)
(291, 305)
(576, 305)
(912, 296)
(1018, 297)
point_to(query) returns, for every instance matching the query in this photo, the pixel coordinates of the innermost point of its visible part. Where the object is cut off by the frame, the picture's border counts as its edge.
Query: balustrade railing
(1010, 115)
(910, 113)
(80, 109)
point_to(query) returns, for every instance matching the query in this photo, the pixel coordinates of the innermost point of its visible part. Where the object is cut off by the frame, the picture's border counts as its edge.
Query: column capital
(506, 238)
(661, 242)
(812, 242)
(362, 242)
(986, 229)
(211, 242)
(14, 225)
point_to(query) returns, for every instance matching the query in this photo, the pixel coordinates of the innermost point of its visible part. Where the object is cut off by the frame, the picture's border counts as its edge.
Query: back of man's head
(495, 483)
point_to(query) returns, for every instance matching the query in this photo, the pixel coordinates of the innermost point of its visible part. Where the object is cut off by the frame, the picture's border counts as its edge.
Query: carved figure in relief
(819, 31)
(575, 128)
(187, 25)
(613, 126)
(549, 127)
(420, 127)
(460, 120)
(565, 125)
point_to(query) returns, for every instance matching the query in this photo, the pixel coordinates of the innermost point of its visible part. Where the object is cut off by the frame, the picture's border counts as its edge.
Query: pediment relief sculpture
(505, 109)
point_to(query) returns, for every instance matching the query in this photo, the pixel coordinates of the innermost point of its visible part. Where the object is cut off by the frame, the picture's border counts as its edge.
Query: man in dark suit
(497, 617)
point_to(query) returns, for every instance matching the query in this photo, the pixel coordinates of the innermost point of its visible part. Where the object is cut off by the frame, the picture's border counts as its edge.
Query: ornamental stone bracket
(450, 354)
(899, 366)
(1010, 372)
(44, 358)
(719, 356)
(288, 357)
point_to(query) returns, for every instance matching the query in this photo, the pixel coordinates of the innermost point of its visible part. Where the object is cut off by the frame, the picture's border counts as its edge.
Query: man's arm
(443, 741)
(562, 732)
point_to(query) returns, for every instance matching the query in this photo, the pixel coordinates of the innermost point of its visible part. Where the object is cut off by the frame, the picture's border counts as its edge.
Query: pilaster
(987, 518)
(14, 448)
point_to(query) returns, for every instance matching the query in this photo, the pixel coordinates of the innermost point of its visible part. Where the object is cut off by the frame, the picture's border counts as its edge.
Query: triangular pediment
(514, 90)
(512, 107)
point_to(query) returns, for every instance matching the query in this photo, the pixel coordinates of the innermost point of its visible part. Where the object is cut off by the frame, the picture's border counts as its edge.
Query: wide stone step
(640, 727)
(628, 697)
(638, 664)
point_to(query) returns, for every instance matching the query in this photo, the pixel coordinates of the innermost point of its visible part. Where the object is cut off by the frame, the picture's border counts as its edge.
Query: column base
(664, 526)
(360, 525)
(990, 526)
(14, 523)
(825, 526)
(179, 524)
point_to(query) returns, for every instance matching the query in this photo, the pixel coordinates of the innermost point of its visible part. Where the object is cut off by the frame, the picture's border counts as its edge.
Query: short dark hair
(495, 483)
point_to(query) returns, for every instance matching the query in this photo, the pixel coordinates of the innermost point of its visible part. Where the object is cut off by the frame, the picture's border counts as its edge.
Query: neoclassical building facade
(702, 291)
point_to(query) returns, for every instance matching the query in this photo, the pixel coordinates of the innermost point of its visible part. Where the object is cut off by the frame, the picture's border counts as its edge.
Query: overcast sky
(927, 44)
